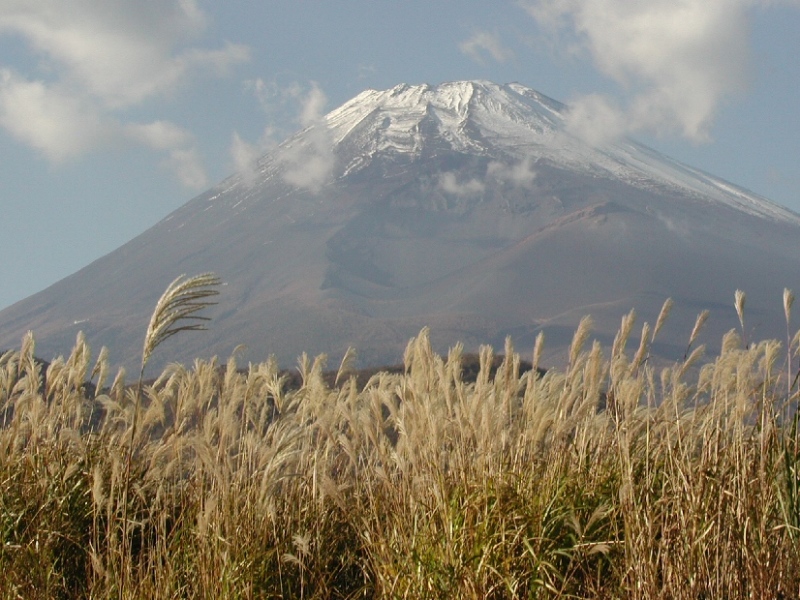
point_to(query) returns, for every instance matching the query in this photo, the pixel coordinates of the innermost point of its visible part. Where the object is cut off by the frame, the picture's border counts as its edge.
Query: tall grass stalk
(175, 311)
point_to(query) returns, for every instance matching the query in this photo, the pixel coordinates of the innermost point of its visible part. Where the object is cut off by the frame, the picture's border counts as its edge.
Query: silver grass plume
(347, 365)
(178, 304)
(644, 348)
(624, 332)
(662, 317)
(537, 350)
(698, 325)
(579, 339)
(738, 302)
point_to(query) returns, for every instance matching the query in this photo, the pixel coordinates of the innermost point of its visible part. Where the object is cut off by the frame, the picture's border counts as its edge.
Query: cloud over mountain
(675, 62)
(483, 43)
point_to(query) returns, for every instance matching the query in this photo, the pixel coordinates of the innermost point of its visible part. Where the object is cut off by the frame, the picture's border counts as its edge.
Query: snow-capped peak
(393, 120)
(484, 118)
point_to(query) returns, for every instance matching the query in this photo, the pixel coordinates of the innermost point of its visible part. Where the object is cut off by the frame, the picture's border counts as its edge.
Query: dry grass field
(608, 478)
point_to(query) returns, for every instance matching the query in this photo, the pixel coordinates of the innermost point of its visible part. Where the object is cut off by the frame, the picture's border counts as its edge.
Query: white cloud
(183, 160)
(675, 60)
(274, 98)
(186, 165)
(96, 60)
(449, 183)
(119, 51)
(519, 175)
(49, 119)
(262, 91)
(309, 165)
(674, 225)
(597, 119)
(365, 71)
(159, 135)
(312, 106)
(306, 165)
(244, 154)
(483, 42)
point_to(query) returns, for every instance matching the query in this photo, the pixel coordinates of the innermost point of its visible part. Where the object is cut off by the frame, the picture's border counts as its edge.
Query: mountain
(467, 207)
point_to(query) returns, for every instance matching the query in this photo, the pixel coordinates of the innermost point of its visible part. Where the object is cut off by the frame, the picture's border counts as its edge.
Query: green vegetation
(605, 479)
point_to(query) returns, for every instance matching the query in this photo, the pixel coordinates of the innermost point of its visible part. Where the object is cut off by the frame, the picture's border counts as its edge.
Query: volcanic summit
(467, 207)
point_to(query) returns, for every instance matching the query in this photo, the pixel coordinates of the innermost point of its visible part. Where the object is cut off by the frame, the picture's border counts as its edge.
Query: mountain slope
(466, 207)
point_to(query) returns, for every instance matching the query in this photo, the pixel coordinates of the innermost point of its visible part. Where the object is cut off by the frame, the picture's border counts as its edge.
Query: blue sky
(115, 112)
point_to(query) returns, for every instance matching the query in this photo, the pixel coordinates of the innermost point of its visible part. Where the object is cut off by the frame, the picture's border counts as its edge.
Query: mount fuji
(468, 207)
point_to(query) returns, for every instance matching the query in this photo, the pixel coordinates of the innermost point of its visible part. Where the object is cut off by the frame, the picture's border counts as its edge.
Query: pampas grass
(175, 312)
(179, 303)
(607, 479)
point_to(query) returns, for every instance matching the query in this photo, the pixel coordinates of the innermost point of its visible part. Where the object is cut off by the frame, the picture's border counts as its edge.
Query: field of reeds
(608, 478)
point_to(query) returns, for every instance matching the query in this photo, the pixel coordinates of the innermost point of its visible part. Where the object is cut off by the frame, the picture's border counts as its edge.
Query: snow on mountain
(487, 118)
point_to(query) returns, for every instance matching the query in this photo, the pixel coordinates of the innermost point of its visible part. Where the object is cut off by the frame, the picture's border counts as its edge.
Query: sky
(113, 113)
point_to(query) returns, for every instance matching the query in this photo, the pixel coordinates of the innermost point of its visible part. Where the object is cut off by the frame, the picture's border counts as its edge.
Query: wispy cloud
(308, 166)
(187, 166)
(159, 135)
(519, 175)
(244, 155)
(182, 159)
(98, 59)
(678, 227)
(268, 93)
(675, 62)
(120, 52)
(312, 105)
(597, 119)
(449, 183)
(271, 98)
(366, 70)
(483, 43)
(50, 119)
